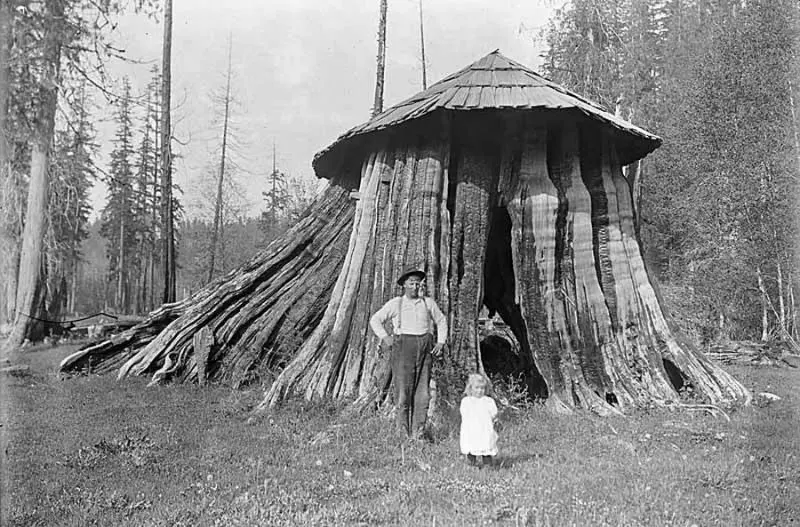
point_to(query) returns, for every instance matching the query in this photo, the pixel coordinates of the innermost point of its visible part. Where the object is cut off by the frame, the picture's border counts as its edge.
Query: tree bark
(9, 247)
(30, 275)
(399, 205)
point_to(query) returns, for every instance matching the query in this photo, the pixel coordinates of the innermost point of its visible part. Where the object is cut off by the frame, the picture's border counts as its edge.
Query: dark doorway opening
(505, 350)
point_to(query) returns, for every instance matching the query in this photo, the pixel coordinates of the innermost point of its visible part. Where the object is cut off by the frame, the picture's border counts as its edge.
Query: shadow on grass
(513, 460)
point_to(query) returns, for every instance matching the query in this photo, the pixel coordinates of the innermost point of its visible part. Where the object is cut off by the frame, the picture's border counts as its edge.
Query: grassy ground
(93, 451)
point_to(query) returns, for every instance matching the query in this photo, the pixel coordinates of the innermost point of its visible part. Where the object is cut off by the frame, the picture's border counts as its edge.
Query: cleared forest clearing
(96, 451)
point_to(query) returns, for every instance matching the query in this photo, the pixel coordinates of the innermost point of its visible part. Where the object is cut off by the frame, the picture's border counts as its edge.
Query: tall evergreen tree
(119, 214)
(276, 199)
(147, 200)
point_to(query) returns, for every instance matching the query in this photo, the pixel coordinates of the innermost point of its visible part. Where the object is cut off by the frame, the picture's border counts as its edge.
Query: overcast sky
(304, 70)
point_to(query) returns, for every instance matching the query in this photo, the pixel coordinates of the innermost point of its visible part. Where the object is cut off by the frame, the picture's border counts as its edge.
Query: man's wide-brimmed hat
(410, 271)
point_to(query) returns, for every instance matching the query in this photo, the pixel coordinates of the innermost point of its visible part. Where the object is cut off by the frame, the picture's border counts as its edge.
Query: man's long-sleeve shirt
(417, 318)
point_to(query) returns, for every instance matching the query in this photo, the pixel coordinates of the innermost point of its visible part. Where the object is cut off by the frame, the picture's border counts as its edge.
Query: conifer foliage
(716, 80)
(120, 219)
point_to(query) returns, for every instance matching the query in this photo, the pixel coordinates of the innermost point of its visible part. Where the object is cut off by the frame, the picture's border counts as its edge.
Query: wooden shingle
(495, 81)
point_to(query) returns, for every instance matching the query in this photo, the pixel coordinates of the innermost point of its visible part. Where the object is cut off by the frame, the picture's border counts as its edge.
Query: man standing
(411, 345)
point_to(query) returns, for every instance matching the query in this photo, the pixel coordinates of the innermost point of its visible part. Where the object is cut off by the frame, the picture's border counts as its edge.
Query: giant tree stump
(526, 212)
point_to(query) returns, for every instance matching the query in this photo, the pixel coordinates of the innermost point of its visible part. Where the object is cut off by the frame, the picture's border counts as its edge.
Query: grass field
(94, 451)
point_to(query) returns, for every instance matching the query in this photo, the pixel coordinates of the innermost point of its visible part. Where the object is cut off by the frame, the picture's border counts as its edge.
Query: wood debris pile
(750, 352)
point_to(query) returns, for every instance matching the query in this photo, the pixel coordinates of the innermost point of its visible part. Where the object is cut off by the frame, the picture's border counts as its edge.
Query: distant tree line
(717, 203)
(119, 270)
(56, 263)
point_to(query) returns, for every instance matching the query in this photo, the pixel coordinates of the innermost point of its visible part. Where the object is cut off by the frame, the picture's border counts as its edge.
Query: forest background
(716, 204)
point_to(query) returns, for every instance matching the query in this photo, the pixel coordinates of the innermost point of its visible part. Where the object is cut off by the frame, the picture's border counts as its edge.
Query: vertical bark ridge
(375, 370)
(355, 361)
(706, 378)
(329, 356)
(636, 337)
(375, 375)
(588, 322)
(443, 211)
(361, 347)
(420, 249)
(532, 209)
(634, 361)
(501, 262)
(311, 353)
(591, 173)
(476, 179)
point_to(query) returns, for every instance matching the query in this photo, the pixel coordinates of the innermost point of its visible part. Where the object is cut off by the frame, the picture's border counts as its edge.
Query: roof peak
(494, 81)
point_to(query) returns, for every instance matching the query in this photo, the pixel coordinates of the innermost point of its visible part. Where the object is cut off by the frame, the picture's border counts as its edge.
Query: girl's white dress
(477, 426)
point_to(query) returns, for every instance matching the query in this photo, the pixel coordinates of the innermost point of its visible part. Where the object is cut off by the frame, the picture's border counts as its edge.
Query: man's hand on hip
(387, 342)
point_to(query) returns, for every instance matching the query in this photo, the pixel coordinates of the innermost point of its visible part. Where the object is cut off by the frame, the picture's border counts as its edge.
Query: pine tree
(276, 199)
(119, 214)
(147, 199)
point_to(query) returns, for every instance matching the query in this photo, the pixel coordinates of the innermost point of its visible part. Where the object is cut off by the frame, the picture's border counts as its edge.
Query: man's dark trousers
(411, 370)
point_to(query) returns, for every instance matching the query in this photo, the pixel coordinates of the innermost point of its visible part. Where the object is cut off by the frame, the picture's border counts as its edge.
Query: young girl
(478, 412)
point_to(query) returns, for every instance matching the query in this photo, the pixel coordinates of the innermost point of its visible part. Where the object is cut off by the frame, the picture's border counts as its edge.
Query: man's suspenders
(400, 315)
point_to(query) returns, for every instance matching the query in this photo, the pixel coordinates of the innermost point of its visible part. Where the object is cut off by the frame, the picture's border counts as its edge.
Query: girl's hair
(473, 381)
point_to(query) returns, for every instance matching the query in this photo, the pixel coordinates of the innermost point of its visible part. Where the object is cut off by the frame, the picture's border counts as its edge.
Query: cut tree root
(712, 409)
(257, 314)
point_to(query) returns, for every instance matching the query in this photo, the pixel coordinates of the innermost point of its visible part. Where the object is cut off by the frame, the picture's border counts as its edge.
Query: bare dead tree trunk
(422, 49)
(154, 223)
(764, 305)
(73, 286)
(120, 296)
(377, 106)
(795, 131)
(168, 223)
(218, 205)
(30, 275)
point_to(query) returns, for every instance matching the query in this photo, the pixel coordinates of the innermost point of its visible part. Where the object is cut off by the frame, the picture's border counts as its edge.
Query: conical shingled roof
(497, 82)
